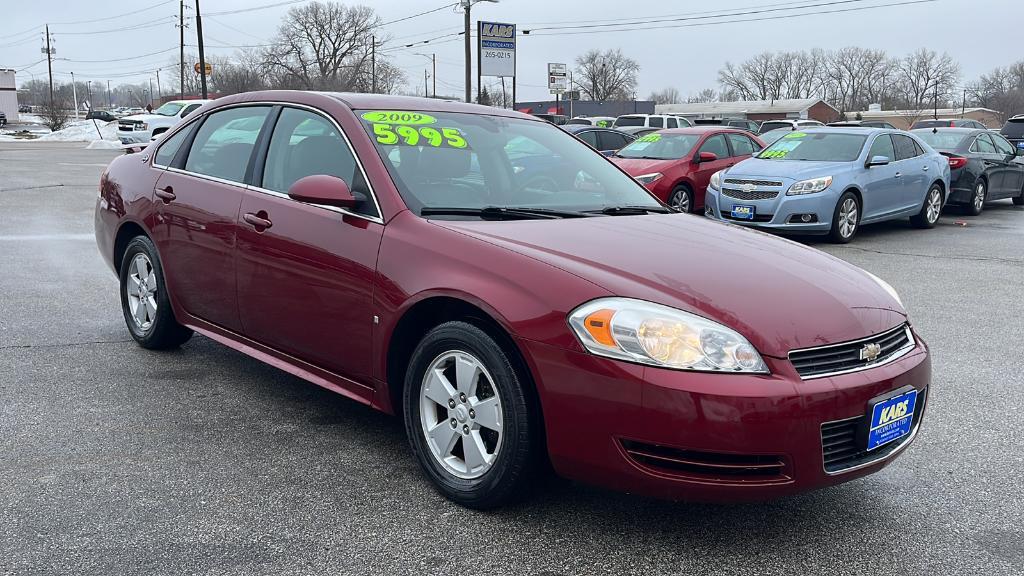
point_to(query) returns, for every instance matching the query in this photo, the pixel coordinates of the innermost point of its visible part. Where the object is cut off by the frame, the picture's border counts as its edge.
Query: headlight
(809, 186)
(143, 126)
(887, 287)
(646, 179)
(716, 180)
(657, 335)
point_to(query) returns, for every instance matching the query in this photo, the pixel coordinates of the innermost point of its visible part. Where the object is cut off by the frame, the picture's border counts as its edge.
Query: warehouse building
(758, 110)
(903, 119)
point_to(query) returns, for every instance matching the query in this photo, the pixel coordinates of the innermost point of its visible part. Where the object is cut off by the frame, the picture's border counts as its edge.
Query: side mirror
(877, 161)
(323, 189)
(706, 157)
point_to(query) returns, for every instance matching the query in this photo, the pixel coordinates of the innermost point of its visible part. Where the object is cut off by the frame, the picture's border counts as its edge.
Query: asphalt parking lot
(117, 460)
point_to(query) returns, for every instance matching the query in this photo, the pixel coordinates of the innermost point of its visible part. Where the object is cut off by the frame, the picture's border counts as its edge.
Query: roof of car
(393, 102)
(582, 127)
(703, 129)
(950, 129)
(856, 130)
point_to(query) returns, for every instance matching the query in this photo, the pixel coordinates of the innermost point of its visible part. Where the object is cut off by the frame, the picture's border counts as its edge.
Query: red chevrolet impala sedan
(392, 250)
(677, 164)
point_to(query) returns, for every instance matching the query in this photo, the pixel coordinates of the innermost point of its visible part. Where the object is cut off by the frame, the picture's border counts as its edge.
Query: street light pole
(466, 5)
(74, 94)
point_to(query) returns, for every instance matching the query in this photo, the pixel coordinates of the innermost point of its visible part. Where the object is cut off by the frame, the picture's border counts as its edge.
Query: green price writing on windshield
(792, 135)
(398, 117)
(418, 136)
(649, 138)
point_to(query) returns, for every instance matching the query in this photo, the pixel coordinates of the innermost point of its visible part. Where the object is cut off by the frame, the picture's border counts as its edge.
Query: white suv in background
(769, 125)
(141, 128)
(651, 121)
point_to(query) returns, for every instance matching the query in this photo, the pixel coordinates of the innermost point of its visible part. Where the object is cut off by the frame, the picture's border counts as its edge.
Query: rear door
(305, 281)
(1013, 177)
(198, 199)
(912, 172)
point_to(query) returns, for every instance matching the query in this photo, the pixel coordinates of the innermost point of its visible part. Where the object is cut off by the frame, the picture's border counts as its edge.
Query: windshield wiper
(633, 210)
(502, 212)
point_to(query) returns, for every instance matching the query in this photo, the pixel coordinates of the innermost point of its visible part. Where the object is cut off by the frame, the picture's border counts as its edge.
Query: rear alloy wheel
(846, 219)
(978, 198)
(1019, 200)
(468, 419)
(931, 209)
(681, 199)
(144, 302)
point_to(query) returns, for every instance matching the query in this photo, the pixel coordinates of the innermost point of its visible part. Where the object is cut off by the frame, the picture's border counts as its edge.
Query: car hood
(143, 117)
(787, 169)
(779, 294)
(639, 166)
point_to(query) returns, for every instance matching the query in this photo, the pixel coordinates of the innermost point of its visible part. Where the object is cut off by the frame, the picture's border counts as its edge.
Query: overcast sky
(980, 34)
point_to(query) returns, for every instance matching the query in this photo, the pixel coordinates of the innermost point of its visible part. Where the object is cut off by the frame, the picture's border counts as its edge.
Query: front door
(703, 171)
(305, 281)
(198, 201)
(882, 189)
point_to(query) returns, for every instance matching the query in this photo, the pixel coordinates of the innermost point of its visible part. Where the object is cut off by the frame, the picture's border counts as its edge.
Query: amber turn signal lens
(599, 326)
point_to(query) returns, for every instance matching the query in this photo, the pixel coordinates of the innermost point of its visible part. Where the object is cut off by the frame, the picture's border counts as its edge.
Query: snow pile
(83, 131)
(30, 119)
(103, 145)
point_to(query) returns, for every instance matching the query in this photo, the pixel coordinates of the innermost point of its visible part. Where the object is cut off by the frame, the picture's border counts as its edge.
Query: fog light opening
(803, 218)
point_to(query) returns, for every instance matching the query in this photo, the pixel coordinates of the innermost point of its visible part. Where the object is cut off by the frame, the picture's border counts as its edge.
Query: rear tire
(845, 219)
(480, 459)
(681, 198)
(1019, 200)
(144, 300)
(931, 209)
(978, 197)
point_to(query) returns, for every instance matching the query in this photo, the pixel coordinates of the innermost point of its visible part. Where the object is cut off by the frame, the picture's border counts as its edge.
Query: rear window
(629, 121)
(768, 126)
(1013, 129)
(931, 124)
(941, 140)
(579, 121)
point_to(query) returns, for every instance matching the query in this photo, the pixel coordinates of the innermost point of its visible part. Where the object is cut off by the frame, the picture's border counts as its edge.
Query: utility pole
(469, 53)
(110, 101)
(74, 94)
(433, 61)
(181, 26)
(202, 55)
(425, 93)
(160, 93)
(49, 62)
(373, 64)
(935, 101)
(88, 90)
(963, 105)
(150, 91)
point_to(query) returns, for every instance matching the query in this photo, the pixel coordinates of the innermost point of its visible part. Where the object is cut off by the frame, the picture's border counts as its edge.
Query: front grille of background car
(754, 182)
(842, 449)
(751, 195)
(128, 125)
(846, 357)
(708, 466)
(757, 217)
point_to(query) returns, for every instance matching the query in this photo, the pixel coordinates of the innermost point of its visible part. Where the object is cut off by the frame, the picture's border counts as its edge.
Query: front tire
(681, 199)
(845, 219)
(468, 417)
(931, 209)
(144, 301)
(978, 198)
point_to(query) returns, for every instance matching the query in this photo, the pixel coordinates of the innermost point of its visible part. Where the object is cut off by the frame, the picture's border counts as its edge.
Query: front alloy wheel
(681, 200)
(846, 219)
(471, 417)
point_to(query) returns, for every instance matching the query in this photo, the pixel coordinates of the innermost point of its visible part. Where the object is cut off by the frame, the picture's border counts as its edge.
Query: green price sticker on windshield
(418, 136)
(649, 138)
(795, 135)
(398, 117)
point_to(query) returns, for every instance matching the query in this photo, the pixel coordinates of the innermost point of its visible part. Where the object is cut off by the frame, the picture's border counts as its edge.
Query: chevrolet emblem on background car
(870, 351)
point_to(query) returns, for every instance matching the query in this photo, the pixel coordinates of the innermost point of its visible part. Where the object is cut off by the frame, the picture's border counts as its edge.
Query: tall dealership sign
(496, 53)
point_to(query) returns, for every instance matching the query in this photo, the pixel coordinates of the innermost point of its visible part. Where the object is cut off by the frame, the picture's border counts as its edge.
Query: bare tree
(608, 75)
(322, 46)
(244, 72)
(705, 95)
(1002, 90)
(668, 95)
(925, 77)
(55, 114)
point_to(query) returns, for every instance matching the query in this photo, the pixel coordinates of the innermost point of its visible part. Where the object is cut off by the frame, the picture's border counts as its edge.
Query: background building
(8, 95)
(759, 110)
(903, 119)
(612, 108)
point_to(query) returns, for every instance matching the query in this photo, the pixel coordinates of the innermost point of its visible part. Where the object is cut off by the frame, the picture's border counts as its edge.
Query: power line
(160, 22)
(757, 19)
(255, 8)
(120, 59)
(157, 5)
(532, 25)
(438, 9)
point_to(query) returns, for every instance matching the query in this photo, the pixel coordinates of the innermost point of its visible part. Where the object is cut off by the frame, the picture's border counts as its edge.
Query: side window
(612, 141)
(882, 146)
(1002, 145)
(590, 137)
(305, 144)
(716, 145)
(655, 122)
(983, 144)
(225, 141)
(169, 147)
(741, 145)
(918, 148)
(904, 147)
(671, 123)
(188, 110)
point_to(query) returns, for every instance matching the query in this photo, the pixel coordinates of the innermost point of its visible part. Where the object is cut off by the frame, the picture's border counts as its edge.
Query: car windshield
(476, 162)
(660, 146)
(941, 140)
(771, 136)
(169, 109)
(815, 146)
(630, 121)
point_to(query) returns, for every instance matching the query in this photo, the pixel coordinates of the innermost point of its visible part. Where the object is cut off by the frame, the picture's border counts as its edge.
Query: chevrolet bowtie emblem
(748, 187)
(870, 351)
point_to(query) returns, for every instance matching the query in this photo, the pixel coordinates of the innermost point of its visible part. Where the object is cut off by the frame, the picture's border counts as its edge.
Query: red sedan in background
(676, 164)
(387, 248)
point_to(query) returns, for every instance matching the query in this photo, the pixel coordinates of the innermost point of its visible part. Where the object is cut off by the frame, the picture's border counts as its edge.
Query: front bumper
(134, 137)
(776, 213)
(724, 437)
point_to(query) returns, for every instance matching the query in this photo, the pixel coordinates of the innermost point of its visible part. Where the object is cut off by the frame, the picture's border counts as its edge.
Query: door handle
(258, 221)
(165, 194)
(925, 168)
(898, 175)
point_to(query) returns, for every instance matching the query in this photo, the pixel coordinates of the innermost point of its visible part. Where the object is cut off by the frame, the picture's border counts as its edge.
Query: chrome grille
(749, 195)
(753, 182)
(128, 125)
(854, 355)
